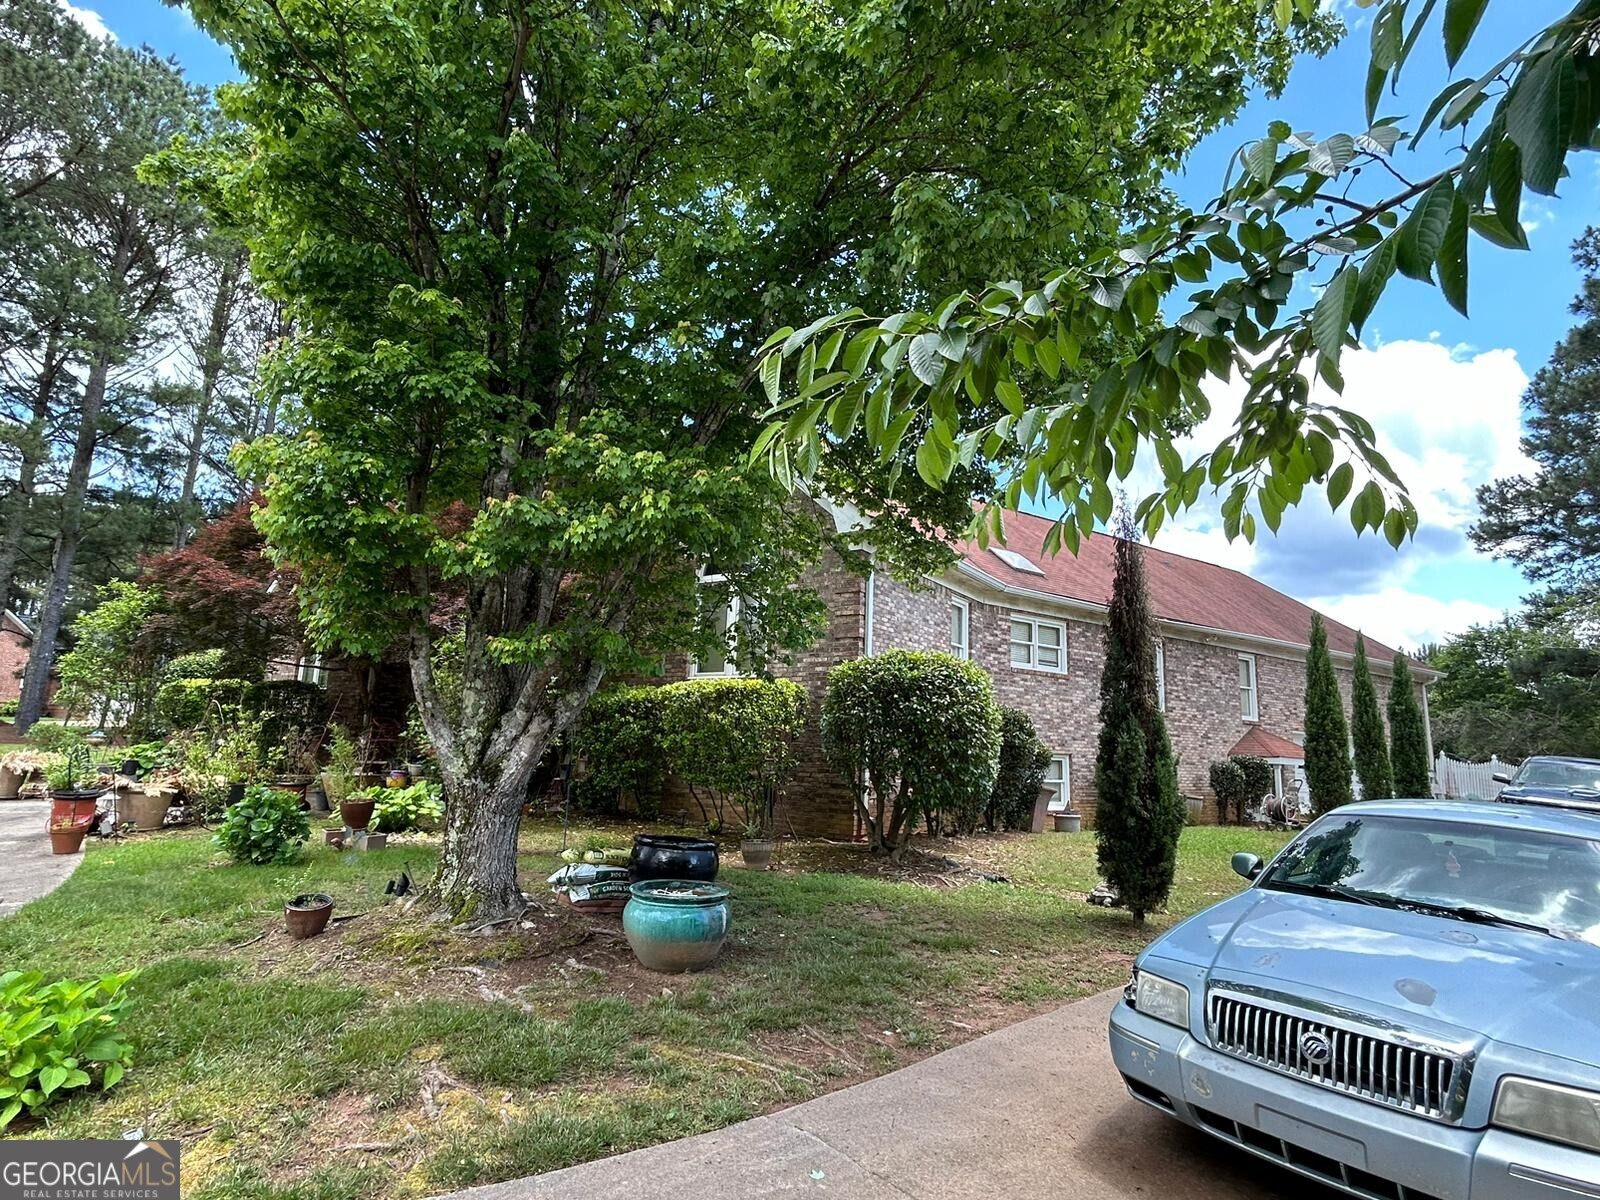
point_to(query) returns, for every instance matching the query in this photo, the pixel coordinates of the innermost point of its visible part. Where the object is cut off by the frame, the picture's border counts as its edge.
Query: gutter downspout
(1427, 732)
(866, 640)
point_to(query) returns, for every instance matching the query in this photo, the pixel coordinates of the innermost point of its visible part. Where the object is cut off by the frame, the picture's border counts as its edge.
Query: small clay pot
(307, 915)
(356, 814)
(68, 841)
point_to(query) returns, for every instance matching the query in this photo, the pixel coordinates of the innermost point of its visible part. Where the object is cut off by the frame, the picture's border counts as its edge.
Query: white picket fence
(1457, 780)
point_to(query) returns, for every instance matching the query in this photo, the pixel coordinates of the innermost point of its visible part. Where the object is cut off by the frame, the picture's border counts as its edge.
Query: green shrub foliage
(288, 708)
(1024, 759)
(267, 826)
(1367, 734)
(193, 703)
(402, 810)
(1413, 774)
(56, 1038)
(1328, 767)
(731, 742)
(1227, 784)
(1139, 814)
(1257, 774)
(916, 734)
(619, 743)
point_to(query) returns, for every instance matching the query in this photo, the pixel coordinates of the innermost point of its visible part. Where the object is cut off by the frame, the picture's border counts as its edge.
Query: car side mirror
(1247, 864)
(1500, 777)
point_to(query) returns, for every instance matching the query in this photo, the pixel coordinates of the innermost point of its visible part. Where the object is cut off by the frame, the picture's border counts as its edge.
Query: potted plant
(74, 786)
(144, 807)
(297, 765)
(355, 810)
(758, 843)
(66, 835)
(16, 768)
(307, 915)
(339, 776)
(414, 749)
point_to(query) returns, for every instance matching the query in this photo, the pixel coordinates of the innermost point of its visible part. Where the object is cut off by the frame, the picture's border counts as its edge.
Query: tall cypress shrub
(1327, 736)
(1138, 814)
(1366, 731)
(1413, 777)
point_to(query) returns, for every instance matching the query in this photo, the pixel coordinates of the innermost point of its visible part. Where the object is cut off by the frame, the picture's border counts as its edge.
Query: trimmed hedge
(730, 741)
(191, 703)
(918, 735)
(619, 742)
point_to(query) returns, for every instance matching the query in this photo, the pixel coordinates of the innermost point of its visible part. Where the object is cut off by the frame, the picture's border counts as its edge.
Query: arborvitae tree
(1412, 777)
(1327, 736)
(1366, 730)
(1139, 814)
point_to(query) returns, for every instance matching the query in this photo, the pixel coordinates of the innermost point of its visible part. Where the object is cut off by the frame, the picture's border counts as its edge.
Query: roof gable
(1182, 590)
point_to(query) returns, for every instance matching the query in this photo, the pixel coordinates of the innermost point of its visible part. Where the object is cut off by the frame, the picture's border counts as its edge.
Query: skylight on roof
(1015, 561)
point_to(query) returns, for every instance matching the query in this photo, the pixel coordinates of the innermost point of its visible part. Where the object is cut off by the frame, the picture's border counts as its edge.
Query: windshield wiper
(1332, 893)
(1478, 916)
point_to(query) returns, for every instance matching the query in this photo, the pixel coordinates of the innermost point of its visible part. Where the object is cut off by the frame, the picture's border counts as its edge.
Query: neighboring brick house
(16, 643)
(1231, 661)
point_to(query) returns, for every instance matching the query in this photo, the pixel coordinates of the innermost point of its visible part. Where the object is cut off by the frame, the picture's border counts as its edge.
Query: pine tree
(1412, 777)
(1327, 736)
(1139, 814)
(1366, 730)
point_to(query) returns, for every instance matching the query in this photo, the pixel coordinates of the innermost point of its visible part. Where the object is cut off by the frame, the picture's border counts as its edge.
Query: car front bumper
(1360, 1148)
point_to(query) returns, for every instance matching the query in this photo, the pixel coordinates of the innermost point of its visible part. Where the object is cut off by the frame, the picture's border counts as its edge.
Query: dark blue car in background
(1554, 779)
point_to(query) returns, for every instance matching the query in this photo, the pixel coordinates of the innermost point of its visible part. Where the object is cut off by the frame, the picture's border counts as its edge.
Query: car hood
(1517, 987)
(1530, 792)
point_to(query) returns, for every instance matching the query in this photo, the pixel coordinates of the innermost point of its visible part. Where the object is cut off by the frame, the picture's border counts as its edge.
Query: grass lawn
(393, 1059)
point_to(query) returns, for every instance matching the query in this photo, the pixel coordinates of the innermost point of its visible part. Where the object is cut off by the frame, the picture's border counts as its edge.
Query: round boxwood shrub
(619, 743)
(267, 826)
(917, 734)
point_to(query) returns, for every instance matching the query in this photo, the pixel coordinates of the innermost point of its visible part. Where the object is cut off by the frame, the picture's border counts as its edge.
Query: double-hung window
(1058, 782)
(724, 623)
(1038, 645)
(1249, 700)
(960, 628)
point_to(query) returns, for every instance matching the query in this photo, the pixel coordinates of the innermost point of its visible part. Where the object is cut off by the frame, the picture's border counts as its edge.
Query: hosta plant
(58, 1037)
(400, 810)
(266, 826)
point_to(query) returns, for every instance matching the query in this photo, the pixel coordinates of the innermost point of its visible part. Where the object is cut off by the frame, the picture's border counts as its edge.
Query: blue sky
(1443, 390)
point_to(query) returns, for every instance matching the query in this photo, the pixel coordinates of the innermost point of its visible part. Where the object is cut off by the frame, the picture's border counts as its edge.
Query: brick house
(1231, 661)
(16, 643)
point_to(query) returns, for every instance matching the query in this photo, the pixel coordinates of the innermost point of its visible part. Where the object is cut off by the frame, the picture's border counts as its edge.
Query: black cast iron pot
(665, 856)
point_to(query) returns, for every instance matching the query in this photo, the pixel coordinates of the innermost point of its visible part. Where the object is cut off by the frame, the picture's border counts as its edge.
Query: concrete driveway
(27, 868)
(1035, 1110)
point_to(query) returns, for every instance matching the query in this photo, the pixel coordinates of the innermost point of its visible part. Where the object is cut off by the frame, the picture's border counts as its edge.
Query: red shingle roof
(1181, 589)
(1263, 743)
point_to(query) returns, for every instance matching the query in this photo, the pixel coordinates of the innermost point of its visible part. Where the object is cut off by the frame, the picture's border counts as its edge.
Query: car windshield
(1552, 772)
(1460, 869)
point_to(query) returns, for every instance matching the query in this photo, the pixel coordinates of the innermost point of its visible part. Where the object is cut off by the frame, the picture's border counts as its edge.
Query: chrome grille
(1385, 1070)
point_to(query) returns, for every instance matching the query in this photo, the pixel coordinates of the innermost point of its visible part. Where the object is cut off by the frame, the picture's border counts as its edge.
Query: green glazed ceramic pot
(675, 925)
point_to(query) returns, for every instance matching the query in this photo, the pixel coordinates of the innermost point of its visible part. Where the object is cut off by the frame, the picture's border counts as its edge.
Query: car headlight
(1548, 1110)
(1159, 998)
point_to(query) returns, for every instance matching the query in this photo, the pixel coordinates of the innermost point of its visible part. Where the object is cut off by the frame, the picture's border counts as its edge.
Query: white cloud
(93, 23)
(1448, 419)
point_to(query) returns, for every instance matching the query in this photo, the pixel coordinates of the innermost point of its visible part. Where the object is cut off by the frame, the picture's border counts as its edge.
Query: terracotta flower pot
(146, 810)
(307, 915)
(76, 805)
(10, 783)
(69, 840)
(356, 814)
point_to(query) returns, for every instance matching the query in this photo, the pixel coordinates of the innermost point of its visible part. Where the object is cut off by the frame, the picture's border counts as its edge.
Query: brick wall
(13, 661)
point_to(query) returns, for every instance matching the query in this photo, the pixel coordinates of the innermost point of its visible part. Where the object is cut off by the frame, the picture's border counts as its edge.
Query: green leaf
(1330, 320)
(1339, 484)
(113, 1073)
(1505, 187)
(1394, 527)
(1453, 258)
(927, 364)
(1376, 272)
(1461, 19)
(1332, 155)
(1010, 395)
(1423, 232)
(1049, 358)
(1539, 116)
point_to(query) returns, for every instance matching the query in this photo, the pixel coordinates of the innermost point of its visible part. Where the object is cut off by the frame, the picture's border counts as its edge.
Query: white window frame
(1252, 713)
(962, 648)
(310, 670)
(1161, 675)
(730, 665)
(1034, 625)
(1058, 775)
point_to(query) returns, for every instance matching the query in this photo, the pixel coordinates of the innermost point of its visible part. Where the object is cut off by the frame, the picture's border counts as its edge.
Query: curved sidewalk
(1033, 1110)
(27, 868)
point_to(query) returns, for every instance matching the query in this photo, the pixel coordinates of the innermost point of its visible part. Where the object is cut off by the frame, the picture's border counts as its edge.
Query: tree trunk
(36, 683)
(212, 355)
(477, 876)
(14, 514)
